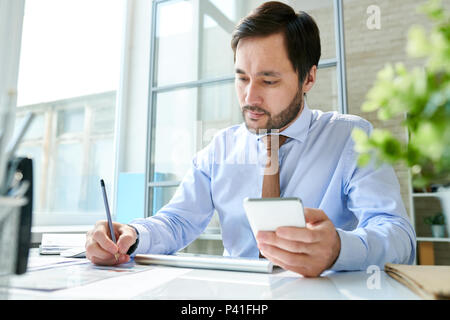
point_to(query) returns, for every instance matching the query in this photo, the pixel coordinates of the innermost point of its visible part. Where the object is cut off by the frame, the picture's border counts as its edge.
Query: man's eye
(270, 82)
(242, 79)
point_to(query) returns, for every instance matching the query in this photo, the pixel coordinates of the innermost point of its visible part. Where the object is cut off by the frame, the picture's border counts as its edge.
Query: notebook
(203, 261)
(55, 243)
(430, 282)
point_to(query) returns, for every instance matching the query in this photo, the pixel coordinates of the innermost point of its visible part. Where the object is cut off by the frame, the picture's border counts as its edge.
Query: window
(192, 80)
(69, 76)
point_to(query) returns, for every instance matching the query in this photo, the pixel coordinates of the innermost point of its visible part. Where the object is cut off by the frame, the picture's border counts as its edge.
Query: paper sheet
(46, 262)
(128, 286)
(54, 243)
(57, 278)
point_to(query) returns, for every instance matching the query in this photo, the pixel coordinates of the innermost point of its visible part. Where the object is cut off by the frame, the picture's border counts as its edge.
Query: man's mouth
(254, 113)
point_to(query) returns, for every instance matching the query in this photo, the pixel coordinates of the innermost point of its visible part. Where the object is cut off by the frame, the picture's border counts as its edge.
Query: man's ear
(310, 79)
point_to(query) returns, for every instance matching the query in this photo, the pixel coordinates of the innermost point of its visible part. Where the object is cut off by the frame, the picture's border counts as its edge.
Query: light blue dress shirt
(317, 164)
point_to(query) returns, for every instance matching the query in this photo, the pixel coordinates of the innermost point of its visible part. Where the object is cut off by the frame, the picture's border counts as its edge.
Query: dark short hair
(300, 32)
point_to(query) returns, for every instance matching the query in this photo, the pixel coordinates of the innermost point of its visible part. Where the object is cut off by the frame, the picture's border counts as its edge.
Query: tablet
(204, 261)
(267, 214)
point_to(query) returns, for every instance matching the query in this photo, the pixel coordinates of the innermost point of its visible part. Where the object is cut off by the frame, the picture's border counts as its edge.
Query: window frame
(48, 142)
(338, 62)
(49, 138)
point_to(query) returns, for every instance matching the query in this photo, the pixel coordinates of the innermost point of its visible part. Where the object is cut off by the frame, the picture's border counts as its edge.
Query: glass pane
(69, 73)
(103, 116)
(324, 93)
(202, 35)
(186, 120)
(67, 178)
(161, 196)
(219, 20)
(35, 130)
(34, 153)
(66, 52)
(174, 43)
(219, 108)
(100, 167)
(70, 121)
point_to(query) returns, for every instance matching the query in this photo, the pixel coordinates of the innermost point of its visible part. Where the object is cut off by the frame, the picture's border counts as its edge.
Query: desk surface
(158, 282)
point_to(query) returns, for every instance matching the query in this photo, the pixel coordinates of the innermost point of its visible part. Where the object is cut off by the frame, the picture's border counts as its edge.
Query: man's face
(266, 83)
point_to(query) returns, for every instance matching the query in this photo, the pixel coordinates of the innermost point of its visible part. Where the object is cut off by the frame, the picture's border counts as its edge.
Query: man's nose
(253, 95)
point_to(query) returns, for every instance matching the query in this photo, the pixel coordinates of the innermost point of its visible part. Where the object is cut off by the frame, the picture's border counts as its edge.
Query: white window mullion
(46, 160)
(86, 150)
(11, 21)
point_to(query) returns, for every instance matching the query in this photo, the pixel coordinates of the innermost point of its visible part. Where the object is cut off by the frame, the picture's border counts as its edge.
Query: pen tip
(102, 182)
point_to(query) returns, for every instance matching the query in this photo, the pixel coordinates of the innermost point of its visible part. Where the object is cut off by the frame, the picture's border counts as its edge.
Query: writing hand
(101, 250)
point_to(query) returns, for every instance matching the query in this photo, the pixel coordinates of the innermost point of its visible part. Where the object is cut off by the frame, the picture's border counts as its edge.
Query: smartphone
(267, 214)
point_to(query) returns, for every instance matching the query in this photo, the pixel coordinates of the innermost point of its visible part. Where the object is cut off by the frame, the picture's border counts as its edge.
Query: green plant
(436, 219)
(423, 94)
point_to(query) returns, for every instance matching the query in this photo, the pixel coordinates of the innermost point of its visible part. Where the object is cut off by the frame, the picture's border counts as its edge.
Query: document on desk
(50, 279)
(428, 281)
(55, 243)
(48, 262)
(203, 261)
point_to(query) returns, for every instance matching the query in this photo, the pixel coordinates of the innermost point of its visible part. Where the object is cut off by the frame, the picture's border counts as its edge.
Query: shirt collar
(299, 128)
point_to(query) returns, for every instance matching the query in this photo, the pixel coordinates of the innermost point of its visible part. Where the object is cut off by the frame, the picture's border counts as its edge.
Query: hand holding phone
(307, 250)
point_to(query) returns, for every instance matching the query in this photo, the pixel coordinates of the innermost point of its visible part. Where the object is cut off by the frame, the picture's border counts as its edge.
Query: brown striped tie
(271, 182)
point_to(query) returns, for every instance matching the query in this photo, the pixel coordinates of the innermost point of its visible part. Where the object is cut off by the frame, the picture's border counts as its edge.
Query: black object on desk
(23, 166)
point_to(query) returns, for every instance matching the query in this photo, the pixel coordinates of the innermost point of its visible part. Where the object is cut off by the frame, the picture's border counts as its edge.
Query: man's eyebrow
(267, 73)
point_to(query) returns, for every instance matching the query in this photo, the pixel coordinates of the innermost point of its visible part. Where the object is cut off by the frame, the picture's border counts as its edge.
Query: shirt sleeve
(184, 218)
(384, 233)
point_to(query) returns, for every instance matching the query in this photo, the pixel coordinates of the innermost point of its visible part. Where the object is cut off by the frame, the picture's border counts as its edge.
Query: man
(355, 216)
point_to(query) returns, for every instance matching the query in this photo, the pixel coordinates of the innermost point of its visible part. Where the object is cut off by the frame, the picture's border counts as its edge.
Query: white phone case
(267, 214)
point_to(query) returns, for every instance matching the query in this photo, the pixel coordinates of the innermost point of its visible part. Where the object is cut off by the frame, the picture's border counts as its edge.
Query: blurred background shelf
(425, 194)
(430, 250)
(433, 239)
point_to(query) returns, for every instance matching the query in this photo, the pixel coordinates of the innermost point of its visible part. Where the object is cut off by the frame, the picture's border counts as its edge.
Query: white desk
(158, 282)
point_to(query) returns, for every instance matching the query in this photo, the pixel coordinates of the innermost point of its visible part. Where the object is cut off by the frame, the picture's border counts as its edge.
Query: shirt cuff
(144, 239)
(353, 252)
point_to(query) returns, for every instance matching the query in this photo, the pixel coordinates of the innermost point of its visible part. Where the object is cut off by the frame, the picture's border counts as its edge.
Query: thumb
(126, 238)
(313, 216)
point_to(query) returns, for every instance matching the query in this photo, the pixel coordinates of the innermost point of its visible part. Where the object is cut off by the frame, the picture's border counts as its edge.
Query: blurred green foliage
(436, 219)
(423, 94)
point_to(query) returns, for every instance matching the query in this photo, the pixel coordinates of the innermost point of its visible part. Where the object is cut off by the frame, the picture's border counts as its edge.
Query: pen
(108, 215)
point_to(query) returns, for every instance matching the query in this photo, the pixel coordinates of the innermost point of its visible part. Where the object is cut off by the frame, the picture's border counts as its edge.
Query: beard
(277, 121)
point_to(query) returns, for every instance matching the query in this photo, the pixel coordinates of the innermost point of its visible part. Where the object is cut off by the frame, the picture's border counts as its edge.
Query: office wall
(369, 50)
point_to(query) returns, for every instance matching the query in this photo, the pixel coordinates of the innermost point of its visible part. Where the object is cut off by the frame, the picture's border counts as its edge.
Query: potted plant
(437, 223)
(423, 95)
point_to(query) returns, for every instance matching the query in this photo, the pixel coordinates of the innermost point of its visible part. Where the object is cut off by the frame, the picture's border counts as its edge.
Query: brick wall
(367, 51)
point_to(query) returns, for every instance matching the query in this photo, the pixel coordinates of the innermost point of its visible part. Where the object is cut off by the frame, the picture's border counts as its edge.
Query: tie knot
(274, 141)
